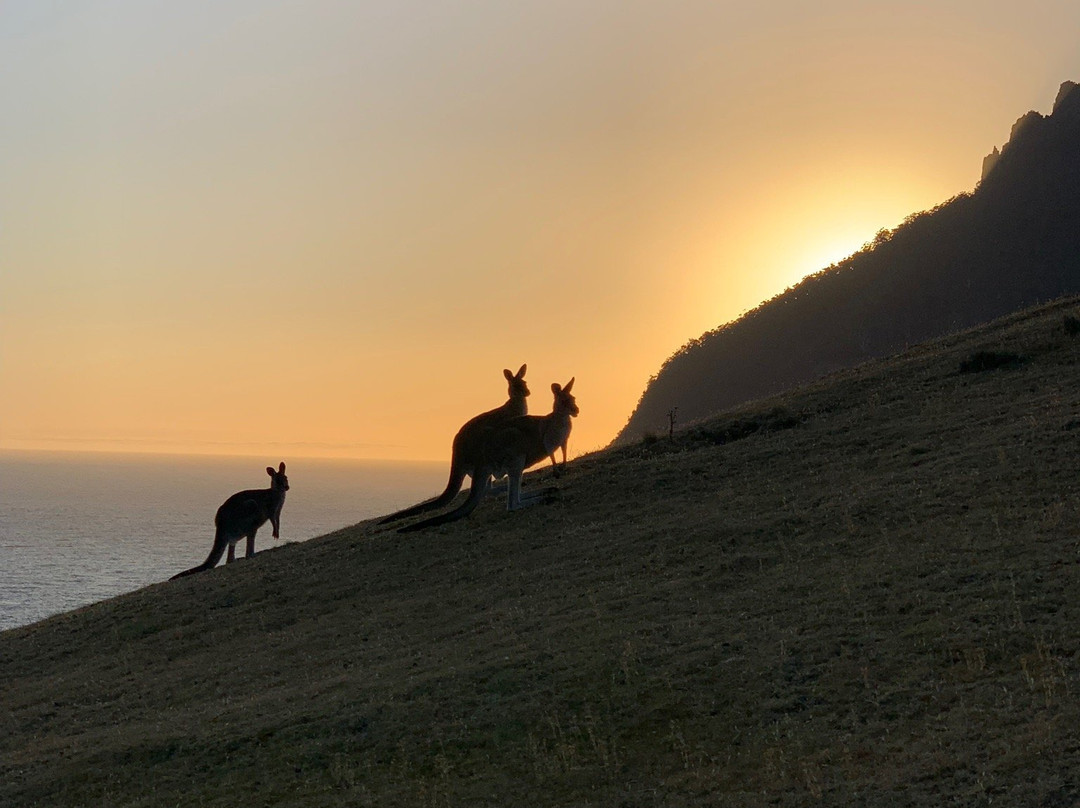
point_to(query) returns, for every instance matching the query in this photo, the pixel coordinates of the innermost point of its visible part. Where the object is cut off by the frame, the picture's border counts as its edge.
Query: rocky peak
(1067, 104)
(1064, 92)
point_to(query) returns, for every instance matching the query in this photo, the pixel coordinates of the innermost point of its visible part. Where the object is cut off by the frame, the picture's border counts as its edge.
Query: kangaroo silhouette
(467, 451)
(241, 516)
(508, 449)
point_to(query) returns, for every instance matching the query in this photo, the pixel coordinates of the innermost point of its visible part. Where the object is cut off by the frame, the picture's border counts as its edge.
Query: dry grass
(861, 593)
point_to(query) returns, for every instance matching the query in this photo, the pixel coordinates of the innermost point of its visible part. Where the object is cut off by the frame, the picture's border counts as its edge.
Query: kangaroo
(558, 468)
(511, 448)
(466, 450)
(241, 515)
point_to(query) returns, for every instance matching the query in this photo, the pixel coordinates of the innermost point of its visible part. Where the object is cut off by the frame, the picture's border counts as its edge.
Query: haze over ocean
(229, 220)
(78, 528)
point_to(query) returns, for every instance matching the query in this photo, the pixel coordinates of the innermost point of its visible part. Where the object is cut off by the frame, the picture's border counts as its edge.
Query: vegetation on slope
(1012, 243)
(858, 593)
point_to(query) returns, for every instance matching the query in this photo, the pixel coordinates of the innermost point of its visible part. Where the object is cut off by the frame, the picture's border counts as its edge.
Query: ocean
(78, 528)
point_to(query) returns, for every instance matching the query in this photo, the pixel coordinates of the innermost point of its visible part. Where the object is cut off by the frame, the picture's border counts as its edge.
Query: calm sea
(77, 528)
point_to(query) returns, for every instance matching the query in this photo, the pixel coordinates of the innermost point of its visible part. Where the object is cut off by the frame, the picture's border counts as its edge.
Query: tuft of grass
(989, 360)
(649, 438)
(726, 431)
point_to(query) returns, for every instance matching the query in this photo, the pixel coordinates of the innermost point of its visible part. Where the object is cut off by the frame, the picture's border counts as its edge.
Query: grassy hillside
(860, 593)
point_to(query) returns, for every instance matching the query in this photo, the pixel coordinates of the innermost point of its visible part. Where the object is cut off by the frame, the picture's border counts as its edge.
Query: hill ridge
(1012, 243)
(867, 600)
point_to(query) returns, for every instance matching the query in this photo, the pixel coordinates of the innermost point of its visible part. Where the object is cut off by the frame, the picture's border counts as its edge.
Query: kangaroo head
(278, 480)
(564, 401)
(517, 388)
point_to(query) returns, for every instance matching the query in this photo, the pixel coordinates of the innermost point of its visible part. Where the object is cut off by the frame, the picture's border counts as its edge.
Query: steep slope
(1012, 243)
(859, 593)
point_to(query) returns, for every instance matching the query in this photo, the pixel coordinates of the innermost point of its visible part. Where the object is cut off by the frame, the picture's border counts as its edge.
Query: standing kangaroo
(468, 444)
(509, 449)
(241, 515)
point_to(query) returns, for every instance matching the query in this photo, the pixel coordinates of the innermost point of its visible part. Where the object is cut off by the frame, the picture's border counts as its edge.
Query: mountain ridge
(1012, 243)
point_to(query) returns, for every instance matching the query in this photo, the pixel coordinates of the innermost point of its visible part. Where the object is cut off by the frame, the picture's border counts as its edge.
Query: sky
(323, 228)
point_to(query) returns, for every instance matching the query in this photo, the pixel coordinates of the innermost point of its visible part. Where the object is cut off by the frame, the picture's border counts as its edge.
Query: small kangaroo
(509, 449)
(468, 445)
(241, 515)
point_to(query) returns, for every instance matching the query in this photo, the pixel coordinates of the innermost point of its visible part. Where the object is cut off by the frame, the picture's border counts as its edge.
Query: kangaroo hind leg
(517, 499)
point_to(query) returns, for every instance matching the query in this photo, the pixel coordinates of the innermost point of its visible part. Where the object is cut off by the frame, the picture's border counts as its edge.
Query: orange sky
(323, 227)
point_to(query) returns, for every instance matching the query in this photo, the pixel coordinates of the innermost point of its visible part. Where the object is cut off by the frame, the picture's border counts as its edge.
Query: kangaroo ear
(281, 468)
(270, 470)
(569, 384)
(521, 372)
(509, 376)
(555, 388)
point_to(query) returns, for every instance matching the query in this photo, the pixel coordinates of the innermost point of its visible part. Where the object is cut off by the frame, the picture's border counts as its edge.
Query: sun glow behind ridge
(821, 254)
(800, 226)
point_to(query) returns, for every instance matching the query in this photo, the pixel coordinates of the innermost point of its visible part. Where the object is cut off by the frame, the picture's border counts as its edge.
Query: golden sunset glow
(324, 228)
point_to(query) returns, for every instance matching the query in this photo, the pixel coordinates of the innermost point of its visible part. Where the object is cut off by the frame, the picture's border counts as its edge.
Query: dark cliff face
(1013, 242)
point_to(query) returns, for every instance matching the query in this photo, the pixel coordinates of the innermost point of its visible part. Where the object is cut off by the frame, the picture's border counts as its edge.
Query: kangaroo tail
(453, 485)
(481, 483)
(220, 543)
